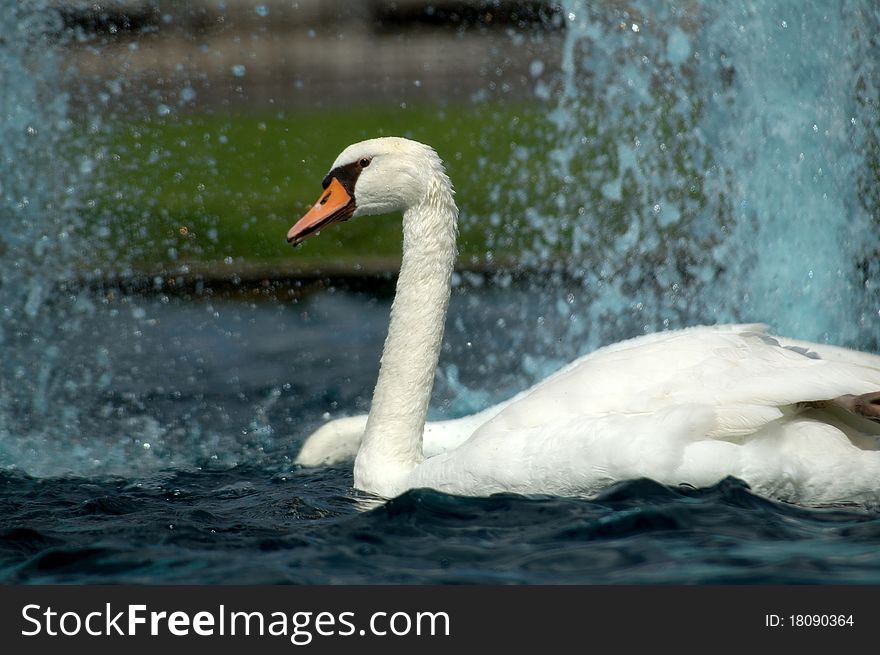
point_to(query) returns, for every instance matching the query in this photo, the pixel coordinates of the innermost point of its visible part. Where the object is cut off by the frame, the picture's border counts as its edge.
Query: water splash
(52, 374)
(720, 159)
(793, 125)
(38, 202)
(73, 393)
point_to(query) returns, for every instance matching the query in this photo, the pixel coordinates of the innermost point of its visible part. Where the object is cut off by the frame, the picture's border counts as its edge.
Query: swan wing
(338, 440)
(691, 406)
(747, 378)
(334, 442)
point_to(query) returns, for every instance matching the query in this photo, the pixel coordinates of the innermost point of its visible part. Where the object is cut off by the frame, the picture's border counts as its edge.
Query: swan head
(377, 176)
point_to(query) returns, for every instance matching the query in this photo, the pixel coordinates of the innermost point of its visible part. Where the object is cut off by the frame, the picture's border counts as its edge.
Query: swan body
(797, 421)
(338, 440)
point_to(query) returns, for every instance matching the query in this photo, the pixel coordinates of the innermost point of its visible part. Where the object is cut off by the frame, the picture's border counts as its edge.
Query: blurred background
(215, 121)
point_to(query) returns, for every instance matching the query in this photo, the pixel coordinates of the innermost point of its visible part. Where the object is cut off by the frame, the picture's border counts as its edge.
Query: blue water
(716, 162)
(250, 524)
(187, 477)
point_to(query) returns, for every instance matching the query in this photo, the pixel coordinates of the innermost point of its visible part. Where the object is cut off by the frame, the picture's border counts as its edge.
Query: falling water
(58, 411)
(794, 117)
(718, 162)
(39, 196)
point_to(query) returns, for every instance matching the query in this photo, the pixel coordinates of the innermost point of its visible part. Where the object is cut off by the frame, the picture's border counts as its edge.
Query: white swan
(795, 420)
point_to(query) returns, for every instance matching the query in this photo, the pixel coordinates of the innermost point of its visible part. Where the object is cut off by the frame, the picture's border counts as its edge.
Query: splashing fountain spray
(39, 210)
(721, 160)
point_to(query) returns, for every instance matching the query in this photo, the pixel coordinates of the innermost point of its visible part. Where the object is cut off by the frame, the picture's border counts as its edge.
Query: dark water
(248, 524)
(178, 468)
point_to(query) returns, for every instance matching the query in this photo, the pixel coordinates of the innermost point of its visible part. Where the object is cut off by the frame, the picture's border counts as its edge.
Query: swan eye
(364, 162)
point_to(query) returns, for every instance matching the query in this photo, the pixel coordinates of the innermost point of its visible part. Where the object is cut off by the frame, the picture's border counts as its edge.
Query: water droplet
(163, 110)
(262, 10)
(635, 28)
(239, 70)
(187, 94)
(146, 446)
(572, 16)
(784, 24)
(815, 128)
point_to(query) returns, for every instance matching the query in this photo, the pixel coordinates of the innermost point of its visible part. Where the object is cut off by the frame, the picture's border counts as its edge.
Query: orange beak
(334, 205)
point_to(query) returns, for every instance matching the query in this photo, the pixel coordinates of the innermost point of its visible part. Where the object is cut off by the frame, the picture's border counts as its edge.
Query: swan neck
(392, 445)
